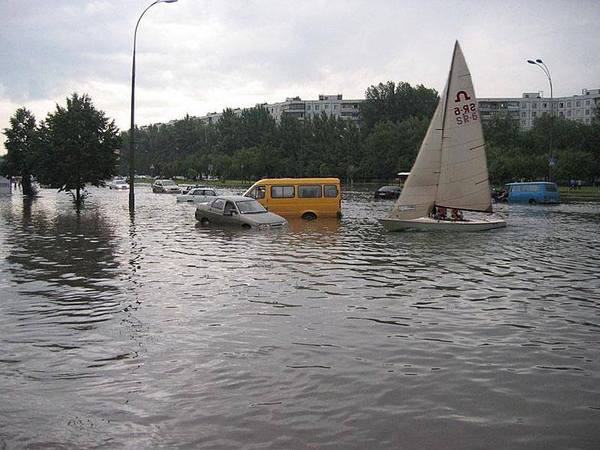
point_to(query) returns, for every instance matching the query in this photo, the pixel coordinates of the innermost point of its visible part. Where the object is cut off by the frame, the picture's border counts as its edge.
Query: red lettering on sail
(468, 113)
(459, 93)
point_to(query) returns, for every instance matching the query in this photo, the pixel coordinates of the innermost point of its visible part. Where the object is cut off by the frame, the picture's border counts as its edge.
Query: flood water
(157, 333)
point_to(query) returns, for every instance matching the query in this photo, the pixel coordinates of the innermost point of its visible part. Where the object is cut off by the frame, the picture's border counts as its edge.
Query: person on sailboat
(457, 214)
(441, 213)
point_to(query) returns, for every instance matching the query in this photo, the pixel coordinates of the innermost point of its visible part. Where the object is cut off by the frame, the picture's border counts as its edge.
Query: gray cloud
(200, 56)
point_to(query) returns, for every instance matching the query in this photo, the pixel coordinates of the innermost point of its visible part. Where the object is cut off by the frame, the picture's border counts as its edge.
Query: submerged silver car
(165, 186)
(238, 211)
(201, 194)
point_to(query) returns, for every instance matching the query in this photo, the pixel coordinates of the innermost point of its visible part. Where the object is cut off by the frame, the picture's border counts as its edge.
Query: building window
(578, 103)
(326, 106)
(308, 107)
(523, 105)
(587, 112)
(523, 114)
(587, 103)
(534, 114)
(561, 105)
(316, 107)
(562, 114)
(335, 106)
(568, 104)
(569, 113)
(534, 105)
(545, 105)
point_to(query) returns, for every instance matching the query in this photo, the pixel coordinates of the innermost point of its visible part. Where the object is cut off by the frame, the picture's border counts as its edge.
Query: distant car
(118, 184)
(533, 192)
(198, 195)
(238, 211)
(388, 192)
(165, 186)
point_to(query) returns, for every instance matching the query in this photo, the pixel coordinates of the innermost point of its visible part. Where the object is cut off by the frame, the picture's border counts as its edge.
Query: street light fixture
(132, 131)
(538, 62)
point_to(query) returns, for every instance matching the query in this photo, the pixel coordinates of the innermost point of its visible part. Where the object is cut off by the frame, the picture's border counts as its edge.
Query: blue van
(533, 192)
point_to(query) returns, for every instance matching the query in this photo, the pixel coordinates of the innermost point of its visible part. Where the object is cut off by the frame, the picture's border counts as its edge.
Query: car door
(215, 211)
(230, 213)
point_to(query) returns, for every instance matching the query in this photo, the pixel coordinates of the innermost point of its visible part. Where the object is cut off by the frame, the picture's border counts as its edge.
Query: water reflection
(64, 260)
(330, 333)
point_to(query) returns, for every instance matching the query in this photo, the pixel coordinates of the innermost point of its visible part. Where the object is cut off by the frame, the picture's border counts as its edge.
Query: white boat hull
(429, 224)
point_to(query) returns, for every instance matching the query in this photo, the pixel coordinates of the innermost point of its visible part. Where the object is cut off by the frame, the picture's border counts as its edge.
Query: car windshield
(250, 207)
(168, 183)
(120, 182)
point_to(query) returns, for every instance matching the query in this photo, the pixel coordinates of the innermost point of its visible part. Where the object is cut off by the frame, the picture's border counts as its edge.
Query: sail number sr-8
(466, 114)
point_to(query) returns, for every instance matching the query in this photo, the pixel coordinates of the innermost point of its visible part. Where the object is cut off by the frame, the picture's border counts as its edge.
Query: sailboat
(450, 171)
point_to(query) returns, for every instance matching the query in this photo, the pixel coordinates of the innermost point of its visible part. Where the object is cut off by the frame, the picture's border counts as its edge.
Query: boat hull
(429, 224)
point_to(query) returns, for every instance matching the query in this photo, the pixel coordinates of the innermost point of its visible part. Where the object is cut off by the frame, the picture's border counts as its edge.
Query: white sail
(450, 169)
(420, 189)
(463, 181)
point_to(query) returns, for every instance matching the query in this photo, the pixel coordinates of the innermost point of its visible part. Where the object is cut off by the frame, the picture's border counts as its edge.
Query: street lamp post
(538, 62)
(132, 130)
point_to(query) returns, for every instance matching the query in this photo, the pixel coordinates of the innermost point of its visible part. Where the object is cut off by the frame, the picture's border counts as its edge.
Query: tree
(79, 143)
(397, 102)
(21, 145)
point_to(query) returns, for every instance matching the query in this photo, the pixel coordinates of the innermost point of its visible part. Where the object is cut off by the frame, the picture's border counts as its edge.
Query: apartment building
(330, 105)
(580, 108)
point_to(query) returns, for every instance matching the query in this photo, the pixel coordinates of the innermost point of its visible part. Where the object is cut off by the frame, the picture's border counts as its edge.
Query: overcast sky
(200, 56)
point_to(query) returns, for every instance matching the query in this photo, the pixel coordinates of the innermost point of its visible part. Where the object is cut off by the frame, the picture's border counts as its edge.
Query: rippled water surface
(155, 332)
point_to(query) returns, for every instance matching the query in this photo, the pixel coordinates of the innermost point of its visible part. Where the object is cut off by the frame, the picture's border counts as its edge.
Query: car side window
(218, 204)
(229, 208)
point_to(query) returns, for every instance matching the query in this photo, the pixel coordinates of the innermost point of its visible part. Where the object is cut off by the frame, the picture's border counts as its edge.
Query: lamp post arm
(547, 71)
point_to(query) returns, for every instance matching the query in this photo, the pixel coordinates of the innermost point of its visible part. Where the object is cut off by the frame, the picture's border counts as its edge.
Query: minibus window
(256, 193)
(551, 188)
(330, 190)
(282, 191)
(309, 191)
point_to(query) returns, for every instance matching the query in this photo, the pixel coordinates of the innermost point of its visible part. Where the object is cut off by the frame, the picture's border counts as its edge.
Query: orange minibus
(307, 198)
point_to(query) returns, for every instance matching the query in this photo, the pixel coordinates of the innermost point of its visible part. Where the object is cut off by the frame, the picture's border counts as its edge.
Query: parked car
(388, 192)
(118, 184)
(165, 186)
(533, 192)
(238, 211)
(198, 195)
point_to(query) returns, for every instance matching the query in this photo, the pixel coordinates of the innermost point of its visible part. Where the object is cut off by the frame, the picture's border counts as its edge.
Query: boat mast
(444, 111)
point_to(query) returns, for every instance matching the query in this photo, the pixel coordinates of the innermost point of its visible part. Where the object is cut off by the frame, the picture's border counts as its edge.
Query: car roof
(531, 182)
(234, 198)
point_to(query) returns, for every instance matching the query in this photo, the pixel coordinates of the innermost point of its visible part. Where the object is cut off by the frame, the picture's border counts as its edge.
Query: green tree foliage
(397, 102)
(248, 145)
(21, 145)
(78, 143)
(514, 154)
